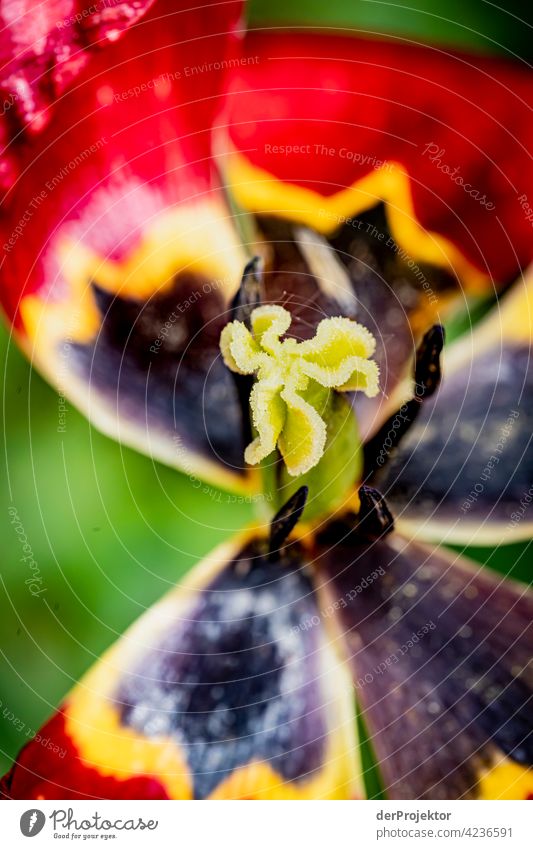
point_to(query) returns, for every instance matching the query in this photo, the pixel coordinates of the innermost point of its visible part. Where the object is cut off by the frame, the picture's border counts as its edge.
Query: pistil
(294, 380)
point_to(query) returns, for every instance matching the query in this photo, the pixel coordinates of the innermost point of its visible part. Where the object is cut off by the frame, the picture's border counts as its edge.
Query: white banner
(268, 825)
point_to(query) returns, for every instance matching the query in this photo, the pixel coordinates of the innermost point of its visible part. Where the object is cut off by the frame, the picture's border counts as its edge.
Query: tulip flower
(236, 256)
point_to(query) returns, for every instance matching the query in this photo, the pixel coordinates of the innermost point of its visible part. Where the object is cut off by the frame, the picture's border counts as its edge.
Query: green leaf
(371, 775)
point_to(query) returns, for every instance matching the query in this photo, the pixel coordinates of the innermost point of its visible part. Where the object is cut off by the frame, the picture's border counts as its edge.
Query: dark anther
(248, 297)
(427, 374)
(250, 292)
(427, 365)
(285, 520)
(374, 519)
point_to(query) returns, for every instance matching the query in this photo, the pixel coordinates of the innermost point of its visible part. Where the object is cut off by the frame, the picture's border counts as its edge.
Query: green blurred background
(110, 530)
(473, 25)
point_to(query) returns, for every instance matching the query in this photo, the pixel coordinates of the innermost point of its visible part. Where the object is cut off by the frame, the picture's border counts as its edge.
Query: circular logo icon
(32, 822)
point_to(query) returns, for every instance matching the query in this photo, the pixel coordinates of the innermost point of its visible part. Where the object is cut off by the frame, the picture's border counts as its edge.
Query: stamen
(372, 522)
(248, 297)
(427, 365)
(285, 520)
(375, 520)
(293, 380)
(427, 376)
(249, 294)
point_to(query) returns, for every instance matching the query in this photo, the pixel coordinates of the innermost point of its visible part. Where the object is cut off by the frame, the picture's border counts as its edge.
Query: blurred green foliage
(469, 25)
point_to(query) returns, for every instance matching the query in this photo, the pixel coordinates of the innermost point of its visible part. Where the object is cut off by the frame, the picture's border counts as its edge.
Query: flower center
(294, 380)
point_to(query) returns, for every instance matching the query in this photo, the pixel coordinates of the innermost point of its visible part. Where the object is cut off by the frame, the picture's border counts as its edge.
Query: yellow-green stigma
(289, 373)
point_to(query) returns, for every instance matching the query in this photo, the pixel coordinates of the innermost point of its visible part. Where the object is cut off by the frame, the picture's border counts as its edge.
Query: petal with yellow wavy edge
(225, 689)
(120, 257)
(320, 128)
(380, 148)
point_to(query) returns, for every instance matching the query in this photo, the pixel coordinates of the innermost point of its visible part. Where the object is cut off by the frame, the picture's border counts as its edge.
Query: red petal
(49, 767)
(130, 140)
(43, 46)
(117, 195)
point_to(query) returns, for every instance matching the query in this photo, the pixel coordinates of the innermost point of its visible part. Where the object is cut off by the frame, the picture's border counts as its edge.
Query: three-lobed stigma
(294, 379)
